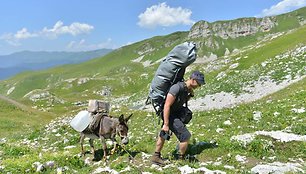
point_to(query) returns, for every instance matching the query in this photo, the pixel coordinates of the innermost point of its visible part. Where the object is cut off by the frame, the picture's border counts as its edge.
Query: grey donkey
(108, 128)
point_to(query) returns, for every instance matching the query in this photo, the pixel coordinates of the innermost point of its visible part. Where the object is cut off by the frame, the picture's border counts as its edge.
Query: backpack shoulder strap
(182, 86)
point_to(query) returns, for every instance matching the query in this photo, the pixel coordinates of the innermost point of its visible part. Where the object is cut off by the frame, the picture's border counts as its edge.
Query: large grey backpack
(171, 70)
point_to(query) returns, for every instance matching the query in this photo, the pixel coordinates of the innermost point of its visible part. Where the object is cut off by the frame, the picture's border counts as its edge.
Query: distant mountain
(30, 60)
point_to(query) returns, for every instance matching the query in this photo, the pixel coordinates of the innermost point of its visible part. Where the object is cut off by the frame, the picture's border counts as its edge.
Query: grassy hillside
(214, 43)
(260, 90)
(57, 142)
(15, 121)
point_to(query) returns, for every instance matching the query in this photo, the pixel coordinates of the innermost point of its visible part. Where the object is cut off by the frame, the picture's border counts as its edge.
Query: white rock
(128, 168)
(227, 122)
(277, 168)
(106, 169)
(299, 111)
(50, 164)
(229, 167)
(263, 64)
(186, 169)
(219, 130)
(138, 59)
(240, 158)
(70, 147)
(145, 156)
(233, 66)
(87, 161)
(10, 90)
(221, 75)
(59, 170)
(244, 139)
(40, 168)
(282, 136)
(218, 163)
(207, 171)
(276, 113)
(279, 135)
(256, 115)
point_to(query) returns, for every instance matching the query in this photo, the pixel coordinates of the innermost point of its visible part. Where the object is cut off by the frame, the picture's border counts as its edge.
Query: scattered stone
(276, 114)
(3, 140)
(256, 115)
(219, 130)
(105, 169)
(279, 135)
(277, 168)
(241, 159)
(227, 122)
(229, 167)
(50, 164)
(233, 66)
(299, 111)
(70, 147)
(10, 90)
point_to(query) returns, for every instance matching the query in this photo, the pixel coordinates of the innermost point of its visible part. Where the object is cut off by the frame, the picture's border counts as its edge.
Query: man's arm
(169, 101)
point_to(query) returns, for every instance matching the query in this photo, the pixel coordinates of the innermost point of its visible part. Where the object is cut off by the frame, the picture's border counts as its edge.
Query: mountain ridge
(38, 60)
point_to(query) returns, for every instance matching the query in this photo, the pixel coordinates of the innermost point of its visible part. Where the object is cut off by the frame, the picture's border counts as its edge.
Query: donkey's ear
(127, 119)
(121, 118)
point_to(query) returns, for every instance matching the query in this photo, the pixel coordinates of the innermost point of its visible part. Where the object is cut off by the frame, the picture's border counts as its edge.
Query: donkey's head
(122, 128)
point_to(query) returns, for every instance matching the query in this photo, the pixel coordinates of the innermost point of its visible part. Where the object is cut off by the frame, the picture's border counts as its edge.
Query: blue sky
(81, 25)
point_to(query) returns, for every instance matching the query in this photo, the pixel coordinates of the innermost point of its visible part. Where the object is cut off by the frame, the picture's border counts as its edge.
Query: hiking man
(173, 113)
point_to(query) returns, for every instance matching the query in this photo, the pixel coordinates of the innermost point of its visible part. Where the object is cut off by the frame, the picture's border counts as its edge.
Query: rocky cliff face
(232, 29)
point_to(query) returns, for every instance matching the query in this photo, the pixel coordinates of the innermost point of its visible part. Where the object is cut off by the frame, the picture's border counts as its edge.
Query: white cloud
(83, 46)
(13, 39)
(164, 15)
(9, 38)
(283, 7)
(59, 28)
(24, 34)
(74, 29)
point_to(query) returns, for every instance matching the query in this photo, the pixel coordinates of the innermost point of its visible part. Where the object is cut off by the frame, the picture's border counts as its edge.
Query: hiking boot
(156, 159)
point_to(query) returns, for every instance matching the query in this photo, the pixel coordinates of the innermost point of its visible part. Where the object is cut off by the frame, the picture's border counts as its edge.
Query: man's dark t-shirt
(180, 91)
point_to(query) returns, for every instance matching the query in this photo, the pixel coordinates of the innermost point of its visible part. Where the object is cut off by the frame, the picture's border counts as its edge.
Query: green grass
(29, 140)
(277, 46)
(19, 157)
(15, 121)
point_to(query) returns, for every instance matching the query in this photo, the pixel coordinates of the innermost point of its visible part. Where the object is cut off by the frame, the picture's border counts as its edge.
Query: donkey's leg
(115, 145)
(103, 146)
(92, 148)
(82, 137)
(114, 148)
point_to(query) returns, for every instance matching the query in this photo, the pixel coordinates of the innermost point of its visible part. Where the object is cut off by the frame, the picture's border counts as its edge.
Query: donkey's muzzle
(125, 140)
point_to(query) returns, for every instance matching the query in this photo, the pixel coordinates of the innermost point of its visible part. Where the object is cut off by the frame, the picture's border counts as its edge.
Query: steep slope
(223, 37)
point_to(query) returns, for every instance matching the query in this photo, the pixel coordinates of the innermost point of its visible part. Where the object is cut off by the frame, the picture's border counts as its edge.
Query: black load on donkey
(96, 123)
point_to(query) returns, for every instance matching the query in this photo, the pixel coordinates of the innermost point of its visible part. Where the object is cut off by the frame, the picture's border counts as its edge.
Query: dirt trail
(19, 105)
(24, 107)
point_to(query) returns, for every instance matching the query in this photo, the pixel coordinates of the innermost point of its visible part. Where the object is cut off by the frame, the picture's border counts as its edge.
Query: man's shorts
(179, 129)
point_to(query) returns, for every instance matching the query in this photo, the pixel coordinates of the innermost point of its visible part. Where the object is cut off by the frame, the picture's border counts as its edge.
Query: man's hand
(165, 128)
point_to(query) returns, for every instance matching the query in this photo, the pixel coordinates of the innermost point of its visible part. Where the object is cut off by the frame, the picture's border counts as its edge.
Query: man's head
(198, 79)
